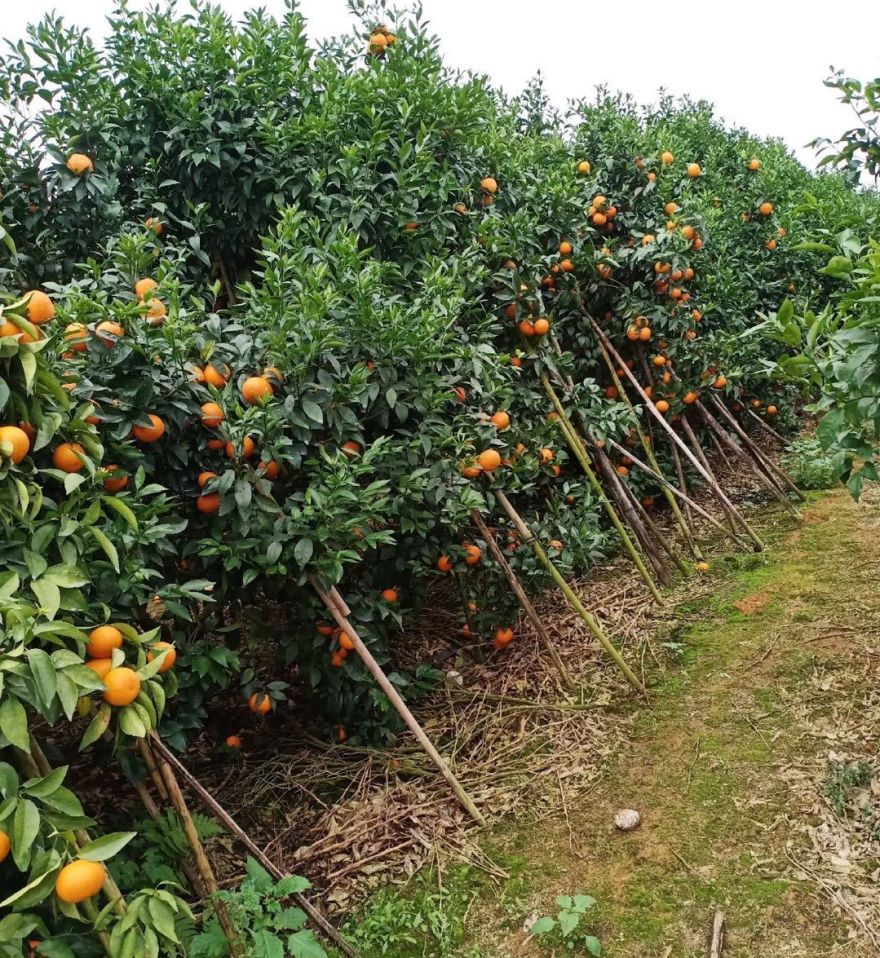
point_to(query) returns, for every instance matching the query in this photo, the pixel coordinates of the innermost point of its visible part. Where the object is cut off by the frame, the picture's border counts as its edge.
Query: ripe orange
(66, 459)
(256, 388)
(720, 382)
(754, 165)
(565, 248)
(273, 372)
(212, 415)
(770, 244)
(5, 845)
(547, 456)
(782, 232)
(696, 315)
(208, 503)
(114, 331)
(566, 266)
(232, 741)
(260, 703)
(489, 459)
(697, 243)
(667, 157)
(555, 544)
(143, 286)
(78, 163)
(76, 335)
(460, 208)
(611, 392)
(688, 273)
(460, 393)
(702, 567)
(100, 667)
(169, 659)
(489, 184)
(114, 485)
(632, 334)
(150, 433)
(526, 328)
(216, 444)
(102, 642)
(691, 334)
(473, 554)
(671, 208)
(444, 564)
(40, 308)
(541, 326)
(661, 406)
(151, 223)
(599, 219)
(756, 403)
(694, 170)
(503, 638)
(688, 233)
(645, 334)
(216, 377)
(622, 471)
(765, 209)
(18, 440)
(80, 879)
(377, 44)
(690, 397)
(516, 361)
(652, 177)
(501, 420)
(247, 448)
(156, 311)
(270, 469)
(647, 239)
(324, 628)
(584, 168)
(351, 449)
(337, 660)
(389, 595)
(659, 360)
(121, 686)
(771, 410)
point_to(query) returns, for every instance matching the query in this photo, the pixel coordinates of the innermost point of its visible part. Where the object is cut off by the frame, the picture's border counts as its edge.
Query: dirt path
(771, 677)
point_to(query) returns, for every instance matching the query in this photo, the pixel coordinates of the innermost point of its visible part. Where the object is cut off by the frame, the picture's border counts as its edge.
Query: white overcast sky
(762, 62)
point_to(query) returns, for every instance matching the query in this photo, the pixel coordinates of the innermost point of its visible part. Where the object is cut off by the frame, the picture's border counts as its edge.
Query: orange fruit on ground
(208, 503)
(232, 741)
(501, 420)
(247, 449)
(18, 439)
(489, 184)
(80, 879)
(143, 286)
(473, 554)
(112, 329)
(100, 666)
(584, 168)
(541, 326)
(720, 382)
(121, 686)
(212, 415)
(351, 449)
(155, 225)
(114, 485)
(170, 658)
(565, 248)
(661, 406)
(667, 157)
(78, 163)
(444, 564)
(503, 638)
(66, 459)
(489, 459)
(389, 595)
(702, 567)
(150, 433)
(215, 377)
(260, 703)
(40, 308)
(5, 845)
(754, 165)
(270, 469)
(102, 641)
(771, 410)
(694, 170)
(765, 209)
(256, 388)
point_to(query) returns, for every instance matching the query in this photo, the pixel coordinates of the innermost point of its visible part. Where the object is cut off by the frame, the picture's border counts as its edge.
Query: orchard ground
(728, 767)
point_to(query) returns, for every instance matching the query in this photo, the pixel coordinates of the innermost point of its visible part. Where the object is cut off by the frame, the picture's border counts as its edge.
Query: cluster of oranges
(380, 40)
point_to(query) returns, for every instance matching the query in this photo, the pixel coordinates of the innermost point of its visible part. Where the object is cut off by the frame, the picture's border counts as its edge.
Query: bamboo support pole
(652, 410)
(475, 650)
(580, 454)
(719, 449)
(201, 859)
(150, 761)
(524, 601)
(655, 530)
(684, 497)
(766, 427)
(528, 538)
(258, 854)
(698, 452)
(340, 612)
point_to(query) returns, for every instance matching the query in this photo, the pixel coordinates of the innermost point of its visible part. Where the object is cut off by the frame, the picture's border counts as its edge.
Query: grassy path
(712, 768)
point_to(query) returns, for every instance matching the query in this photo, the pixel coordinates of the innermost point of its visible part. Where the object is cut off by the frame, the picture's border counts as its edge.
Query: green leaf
(119, 506)
(29, 367)
(48, 785)
(542, 926)
(258, 875)
(163, 919)
(266, 945)
(13, 724)
(9, 584)
(593, 945)
(98, 726)
(303, 551)
(25, 828)
(313, 411)
(67, 576)
(107, 546)
(106, 846)
(131, 723)
(48, 595)
(43, 671)
(304, 944)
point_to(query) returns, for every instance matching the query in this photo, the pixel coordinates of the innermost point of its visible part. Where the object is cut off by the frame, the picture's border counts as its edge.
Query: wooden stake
(716, 935)
(655, 530)
(254, 850)
(652, 410)
(524, 601)
(766, 427)
(474, 649)
(340, 612)
(201, 859)
(528, 537)
(698, 452)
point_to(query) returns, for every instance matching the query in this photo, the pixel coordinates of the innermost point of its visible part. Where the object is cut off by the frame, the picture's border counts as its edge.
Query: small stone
(627, 819)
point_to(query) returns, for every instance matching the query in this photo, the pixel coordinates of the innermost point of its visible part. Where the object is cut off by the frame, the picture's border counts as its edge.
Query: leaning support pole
(767, 427)
(580, 453)
(340, 612)
(768, 463)
(649, 405)
(235, 829)
(683, 496)
(528, 538)
(524, 601)
(698, 452)
(654, 529)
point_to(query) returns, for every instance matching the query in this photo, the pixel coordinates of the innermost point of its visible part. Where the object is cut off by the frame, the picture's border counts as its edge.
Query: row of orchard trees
(300, 307)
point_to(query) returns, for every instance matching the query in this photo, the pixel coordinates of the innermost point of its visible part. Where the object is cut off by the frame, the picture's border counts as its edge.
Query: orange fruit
(247, 448)
(756, 403)
(645, 334)
(260, 703)
(555, 544)
(377, 44)
(208, 503)
(720, 382)
(76, 335)
(652, 177)
(143, 286)
(273, 372)
(599, 219)
(489, 184)
(771, 410)
(169, 659)
(151, 223)
(694, 170)
(688, 233)
(411, 226)
(765, 209)
(473, 554)
(659, 360)
(212, 415)
(501, 420)
(78, 163)
(667, 157)
(256, 388)
(214, 377)
(444, 564)
(770, 244)
(337, 660)
(114, 485)
(503, 638)
(547, 456)
(689, 398)
(102, 641)
(80, 879)
(565, 248)
(460, 208)
(622, 471)
(351, 449)
(114, 330)
(647, 238)
(632, 334)
(541, 326)
(156, 311)
(100, 667)
(611, 392)
(216, 444)
(18, 440)
(232, 741)
(150, 433)
(661, 406)
(702, 567)
(697, 243)
(516, 361)
(526, 327)
(40, 308)
(389, 595)
(5, 845)
(460, 393)
(671, 208)
(489, 459)
(270, 469)
(66, 459)
(584, 168)
(754, 165)
(121, 686)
